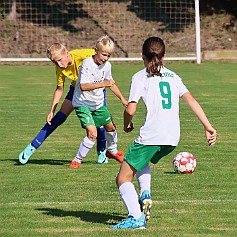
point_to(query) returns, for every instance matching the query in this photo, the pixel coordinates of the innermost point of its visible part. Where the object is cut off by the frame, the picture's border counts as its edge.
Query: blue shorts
(69, 95)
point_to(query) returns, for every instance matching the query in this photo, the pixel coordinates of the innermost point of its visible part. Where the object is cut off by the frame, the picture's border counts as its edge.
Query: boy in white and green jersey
(95, 74)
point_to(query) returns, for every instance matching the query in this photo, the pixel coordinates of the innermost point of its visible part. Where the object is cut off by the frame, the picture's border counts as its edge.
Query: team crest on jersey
(168, 74)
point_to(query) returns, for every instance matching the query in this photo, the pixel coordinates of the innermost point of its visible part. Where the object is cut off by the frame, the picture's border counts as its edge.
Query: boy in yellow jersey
(67, 66)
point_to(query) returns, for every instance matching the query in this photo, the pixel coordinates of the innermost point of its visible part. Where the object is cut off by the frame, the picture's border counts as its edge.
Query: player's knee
(92, 136)
(60, 118)
(114, 126)
(110, 127)
(120, 180)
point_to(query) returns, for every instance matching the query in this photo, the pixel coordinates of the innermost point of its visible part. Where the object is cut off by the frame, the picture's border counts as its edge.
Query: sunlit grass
(45, 198)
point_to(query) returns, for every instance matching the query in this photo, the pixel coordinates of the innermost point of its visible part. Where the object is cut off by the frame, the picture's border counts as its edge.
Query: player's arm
(93, 86)
(56, 98)
(118, 93)
(198, 111)
(85, 79)
(128, 114)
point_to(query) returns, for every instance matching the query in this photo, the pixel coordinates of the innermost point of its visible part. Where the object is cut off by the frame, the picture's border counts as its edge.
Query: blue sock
(56, 121)
(101, 140)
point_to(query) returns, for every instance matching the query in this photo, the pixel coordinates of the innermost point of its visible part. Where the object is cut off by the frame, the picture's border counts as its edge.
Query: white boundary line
(110, 202)
(191, 58)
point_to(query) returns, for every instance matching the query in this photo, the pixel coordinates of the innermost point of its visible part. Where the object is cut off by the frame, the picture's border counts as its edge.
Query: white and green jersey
(161, 97)
(90, 72)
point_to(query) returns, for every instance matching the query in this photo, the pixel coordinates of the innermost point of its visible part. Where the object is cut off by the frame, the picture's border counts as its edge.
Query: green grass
(45, 198)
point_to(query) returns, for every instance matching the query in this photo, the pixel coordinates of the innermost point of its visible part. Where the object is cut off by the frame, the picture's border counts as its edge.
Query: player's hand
(124, 102)
(49, 118)
(129, 128)
(211, 136)
(109, 83)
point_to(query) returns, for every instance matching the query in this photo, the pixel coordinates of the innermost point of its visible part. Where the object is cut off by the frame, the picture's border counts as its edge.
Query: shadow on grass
(43, 162)
(87, 216)
(49, 162)
(170, 172)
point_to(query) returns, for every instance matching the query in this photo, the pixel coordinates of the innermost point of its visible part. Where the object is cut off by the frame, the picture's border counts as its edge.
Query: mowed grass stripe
(111, 202)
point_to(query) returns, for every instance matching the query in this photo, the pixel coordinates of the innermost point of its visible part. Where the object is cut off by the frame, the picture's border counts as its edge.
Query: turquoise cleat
(146, 203)
(25, 155)
(131, 223)
(102, 159)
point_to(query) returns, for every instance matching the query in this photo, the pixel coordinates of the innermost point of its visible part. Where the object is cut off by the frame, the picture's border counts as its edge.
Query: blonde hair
(105, 44)
(54, 50)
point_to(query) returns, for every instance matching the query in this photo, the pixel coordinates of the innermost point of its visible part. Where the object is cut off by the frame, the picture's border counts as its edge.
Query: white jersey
(161, 97)
(90, 72)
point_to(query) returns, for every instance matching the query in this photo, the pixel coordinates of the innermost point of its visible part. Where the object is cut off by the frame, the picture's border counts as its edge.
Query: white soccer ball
(184, 163)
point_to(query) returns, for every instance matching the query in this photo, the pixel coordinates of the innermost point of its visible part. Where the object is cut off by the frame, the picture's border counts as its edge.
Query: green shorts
(139, 155)
(98, 117)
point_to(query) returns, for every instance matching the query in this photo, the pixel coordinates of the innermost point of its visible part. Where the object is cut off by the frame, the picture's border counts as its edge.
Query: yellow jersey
(71, 72)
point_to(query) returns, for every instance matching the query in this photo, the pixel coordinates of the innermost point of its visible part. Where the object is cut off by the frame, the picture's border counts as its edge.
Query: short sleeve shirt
(92, 73)
(161, 97)
(71, 72)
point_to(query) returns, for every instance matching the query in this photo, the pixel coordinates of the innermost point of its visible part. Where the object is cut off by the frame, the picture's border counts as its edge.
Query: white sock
(144, 179)
(130, 199)
(83, 149)
(112, 139)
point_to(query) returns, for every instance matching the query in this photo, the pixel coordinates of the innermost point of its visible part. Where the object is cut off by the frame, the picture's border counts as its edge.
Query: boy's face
(101, 57)
(62, 60)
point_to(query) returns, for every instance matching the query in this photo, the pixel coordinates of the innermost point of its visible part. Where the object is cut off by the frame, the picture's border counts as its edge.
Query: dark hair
(154, 49)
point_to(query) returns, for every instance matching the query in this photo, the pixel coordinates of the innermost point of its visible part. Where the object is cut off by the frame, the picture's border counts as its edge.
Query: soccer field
(45, 198)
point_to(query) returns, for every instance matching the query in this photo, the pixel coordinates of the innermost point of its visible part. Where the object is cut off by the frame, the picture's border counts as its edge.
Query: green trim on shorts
(139, 155)
(98, 117)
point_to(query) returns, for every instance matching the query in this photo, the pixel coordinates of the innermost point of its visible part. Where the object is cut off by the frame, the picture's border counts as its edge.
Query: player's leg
(102, 117)
(112, 140)
(144, 176)
(85, 146)
(58, 119)
(144, 183)
(87, 122)
(101, 141)
(101, 146)
(128, 194)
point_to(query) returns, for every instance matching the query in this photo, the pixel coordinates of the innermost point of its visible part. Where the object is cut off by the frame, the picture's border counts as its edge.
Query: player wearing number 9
(160, 89)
